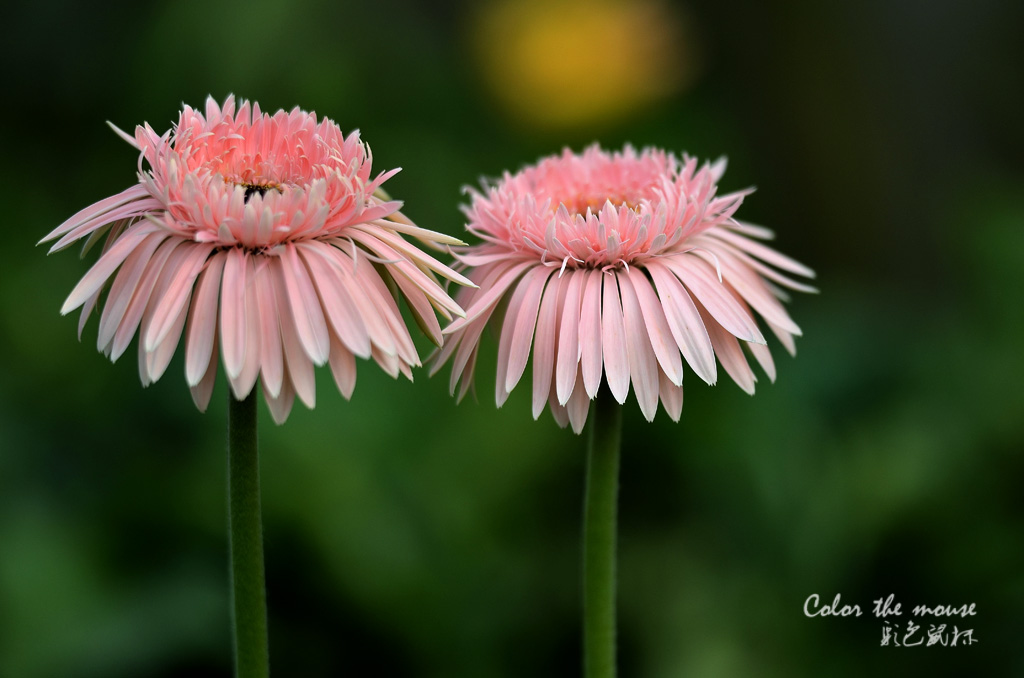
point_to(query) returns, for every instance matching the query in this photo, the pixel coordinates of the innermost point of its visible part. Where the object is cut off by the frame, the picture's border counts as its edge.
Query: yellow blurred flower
(566, 63)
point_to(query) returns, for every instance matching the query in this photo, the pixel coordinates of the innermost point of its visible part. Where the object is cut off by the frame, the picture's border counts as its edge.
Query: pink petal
(159, 358)
(378, 294)
(752, 230)
(271, 357)
(124, 135)
(613, 338)
(420, 307)
(730, 354)
(97, 211)
(508, 326)
(305, 305)
(202, 323)
(762, 252)
(232, 311)
(125, 214)
(343, 367)
(202, 390)
(299, 377)
(414, 254)
(462, 367)
(154, 309)
(768, 272)
(490, 294)
(243, 384)
(785, 337)
(672, 395)
(559, 412)
(764, 358)
(568, 358)
(87, 309)
(544, 344)
(362, 292)
(658, 330)
(478, 260)
(141, 299)
(462, 342)
(337, 291)
(388, 362)
(108, 233)
(750, 286)
(124, 287)
(590, 334)
(685, 323)
(447, 350)
(179, 290)
(105, 267)
(423, 234)
(281, 406)
(467, 380)
(643, 364)
(143, 367)
(578, 406)
(525, 323)
(702, 281)
(404, 267)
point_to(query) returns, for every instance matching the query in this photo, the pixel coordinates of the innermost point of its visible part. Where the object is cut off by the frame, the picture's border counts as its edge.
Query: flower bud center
(581, 203)
(253, 189)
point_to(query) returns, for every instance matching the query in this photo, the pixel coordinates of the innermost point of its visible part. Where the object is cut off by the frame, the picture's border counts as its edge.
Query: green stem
(245, 527)
(599, 530)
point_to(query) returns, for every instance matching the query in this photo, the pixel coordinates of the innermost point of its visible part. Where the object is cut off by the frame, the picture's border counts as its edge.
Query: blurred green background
(408, 536)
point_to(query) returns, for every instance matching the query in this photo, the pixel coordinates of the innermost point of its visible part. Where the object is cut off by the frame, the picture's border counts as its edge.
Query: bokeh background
(410, 536)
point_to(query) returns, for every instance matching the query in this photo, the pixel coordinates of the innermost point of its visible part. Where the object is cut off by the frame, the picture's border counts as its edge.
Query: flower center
(581, 203)
(253, 189)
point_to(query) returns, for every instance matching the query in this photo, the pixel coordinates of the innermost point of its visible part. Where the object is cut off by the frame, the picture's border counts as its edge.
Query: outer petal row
(275, 314)
(624, 325)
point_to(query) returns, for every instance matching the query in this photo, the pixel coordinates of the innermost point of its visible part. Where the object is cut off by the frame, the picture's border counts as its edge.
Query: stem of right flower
(245, 528)
(599, 538)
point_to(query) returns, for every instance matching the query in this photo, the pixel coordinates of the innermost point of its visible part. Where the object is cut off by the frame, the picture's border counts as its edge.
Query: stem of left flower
(245, 527)
(600, 514)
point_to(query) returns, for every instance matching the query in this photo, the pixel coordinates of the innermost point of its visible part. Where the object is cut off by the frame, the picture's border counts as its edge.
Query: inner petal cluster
(601, 209)
(242, 177)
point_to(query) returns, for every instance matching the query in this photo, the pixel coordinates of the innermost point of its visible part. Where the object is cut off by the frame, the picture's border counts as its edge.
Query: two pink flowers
(267, 239)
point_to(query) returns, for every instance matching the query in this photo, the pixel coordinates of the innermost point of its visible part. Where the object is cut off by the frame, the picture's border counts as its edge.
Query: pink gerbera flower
(615, 267)
(258, 234)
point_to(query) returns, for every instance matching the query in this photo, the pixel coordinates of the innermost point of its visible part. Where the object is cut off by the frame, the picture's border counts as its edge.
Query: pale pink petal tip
(247, 235)
(624, 269)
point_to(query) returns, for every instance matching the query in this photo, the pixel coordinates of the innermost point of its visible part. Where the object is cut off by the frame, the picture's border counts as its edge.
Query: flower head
(257, 234)
(615, 267)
